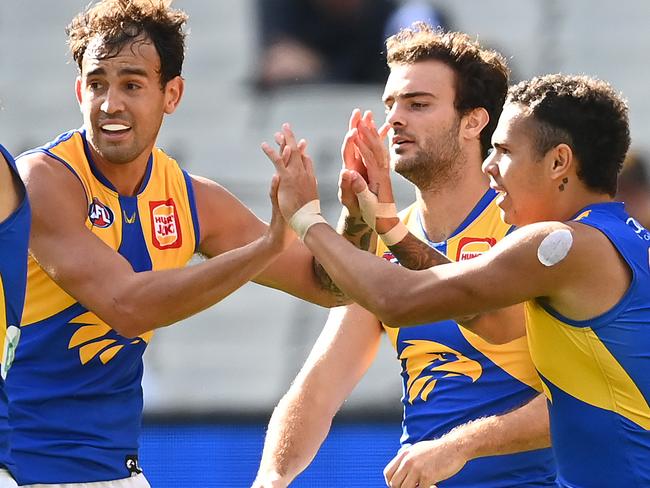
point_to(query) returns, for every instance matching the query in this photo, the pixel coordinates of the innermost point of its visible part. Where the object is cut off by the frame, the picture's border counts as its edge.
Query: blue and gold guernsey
(451, 376)
(76, 392)
(596, 373)
(14, 239)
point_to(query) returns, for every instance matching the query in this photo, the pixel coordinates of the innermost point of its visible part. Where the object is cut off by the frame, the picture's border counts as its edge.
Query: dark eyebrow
(498, 145)
(121, 72)
(96, 72)
(133, 71)
(410, 95)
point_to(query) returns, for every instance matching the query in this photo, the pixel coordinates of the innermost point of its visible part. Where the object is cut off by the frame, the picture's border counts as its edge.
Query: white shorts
(138, 481)
(6, 481)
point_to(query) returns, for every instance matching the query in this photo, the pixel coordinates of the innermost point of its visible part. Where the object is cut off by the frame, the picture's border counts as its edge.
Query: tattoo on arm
(412, 253)
(355, 230)
(328, 284)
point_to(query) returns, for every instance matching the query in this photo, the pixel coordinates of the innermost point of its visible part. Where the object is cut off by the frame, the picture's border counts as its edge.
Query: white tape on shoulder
(555, 247)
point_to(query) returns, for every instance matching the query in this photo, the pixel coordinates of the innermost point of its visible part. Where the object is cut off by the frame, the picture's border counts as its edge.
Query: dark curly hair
(116, 23)
(584, 113)
(481, 74)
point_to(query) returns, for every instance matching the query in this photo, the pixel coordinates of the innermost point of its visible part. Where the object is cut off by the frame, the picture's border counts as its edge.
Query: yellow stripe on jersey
(581, 366)
(507, 357)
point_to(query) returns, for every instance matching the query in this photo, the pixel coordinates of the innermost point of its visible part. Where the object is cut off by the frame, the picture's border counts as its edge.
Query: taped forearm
(372, 210)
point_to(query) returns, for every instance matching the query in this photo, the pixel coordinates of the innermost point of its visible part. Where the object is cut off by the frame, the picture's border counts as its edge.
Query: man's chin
(116, 155)
(400, 164)
(512, 219)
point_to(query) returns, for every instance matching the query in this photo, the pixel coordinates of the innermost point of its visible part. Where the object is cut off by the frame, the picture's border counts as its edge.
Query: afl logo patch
(470, 247)
(165, 231)
(100, 215)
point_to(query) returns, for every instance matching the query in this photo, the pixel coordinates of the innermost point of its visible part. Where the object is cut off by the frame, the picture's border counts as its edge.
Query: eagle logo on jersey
(165, 229)
(427, 362)
(96, 338)
(470, 247)
(100, 215)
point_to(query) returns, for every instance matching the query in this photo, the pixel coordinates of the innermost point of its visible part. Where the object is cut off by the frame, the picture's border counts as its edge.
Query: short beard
(437, 165)
(117, 156)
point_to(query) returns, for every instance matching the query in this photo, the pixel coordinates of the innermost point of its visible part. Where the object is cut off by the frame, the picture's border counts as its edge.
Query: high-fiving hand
(298, 190)
(365, 186)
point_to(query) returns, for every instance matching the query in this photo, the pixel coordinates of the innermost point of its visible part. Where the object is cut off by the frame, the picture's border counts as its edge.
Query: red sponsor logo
(165, 229)
(470, 247)
(389, 256)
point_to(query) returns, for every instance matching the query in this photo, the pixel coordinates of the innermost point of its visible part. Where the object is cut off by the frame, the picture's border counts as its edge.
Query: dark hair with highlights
(481, 74)
(584, 113)
(119, 22)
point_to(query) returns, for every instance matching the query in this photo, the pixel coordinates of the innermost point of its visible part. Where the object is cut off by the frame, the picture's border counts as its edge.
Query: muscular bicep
(226, 223)
(510, 273)
(77, 260)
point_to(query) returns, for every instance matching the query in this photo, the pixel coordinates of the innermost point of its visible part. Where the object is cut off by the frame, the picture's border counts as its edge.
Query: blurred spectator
(634, 187)
(341, 41)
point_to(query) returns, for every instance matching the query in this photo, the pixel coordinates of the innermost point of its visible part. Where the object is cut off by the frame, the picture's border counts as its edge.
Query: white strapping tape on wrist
(395, 235)
(371, 208)
(305, 217)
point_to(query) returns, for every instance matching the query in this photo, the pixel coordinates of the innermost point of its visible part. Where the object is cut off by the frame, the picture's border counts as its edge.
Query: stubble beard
(435, 166)
(117, 155)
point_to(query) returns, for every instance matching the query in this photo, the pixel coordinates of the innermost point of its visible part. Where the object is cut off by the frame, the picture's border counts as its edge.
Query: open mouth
(399, 141)
(115, 129)
(501, 197)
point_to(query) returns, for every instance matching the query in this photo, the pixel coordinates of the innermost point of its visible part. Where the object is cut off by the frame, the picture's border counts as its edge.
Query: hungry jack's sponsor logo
(470, 247)
(165, 228)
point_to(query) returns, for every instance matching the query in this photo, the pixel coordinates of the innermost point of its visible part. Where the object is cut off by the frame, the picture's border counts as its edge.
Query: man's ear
(562, 161)
(77, 89)
(173, 93)
(474, 122)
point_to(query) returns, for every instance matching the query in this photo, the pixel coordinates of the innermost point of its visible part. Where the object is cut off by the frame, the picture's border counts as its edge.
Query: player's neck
(446, 207)
(566, 206)
(125, 177)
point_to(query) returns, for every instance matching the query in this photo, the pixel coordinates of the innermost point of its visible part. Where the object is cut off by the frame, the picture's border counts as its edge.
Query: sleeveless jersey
(76, 395)
(451, 376)
(596, 373)
(14, 239)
